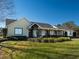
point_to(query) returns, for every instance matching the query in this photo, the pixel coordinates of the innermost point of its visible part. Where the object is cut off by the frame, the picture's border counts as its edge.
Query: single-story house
(24, 27)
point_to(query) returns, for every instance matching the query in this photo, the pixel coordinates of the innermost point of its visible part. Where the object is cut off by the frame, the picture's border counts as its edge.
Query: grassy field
(35, 50)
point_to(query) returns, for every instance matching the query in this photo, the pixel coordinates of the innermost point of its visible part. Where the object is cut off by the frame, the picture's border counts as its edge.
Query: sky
(48, 11)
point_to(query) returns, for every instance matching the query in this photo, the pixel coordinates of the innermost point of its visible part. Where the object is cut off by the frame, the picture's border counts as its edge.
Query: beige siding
(23, 23)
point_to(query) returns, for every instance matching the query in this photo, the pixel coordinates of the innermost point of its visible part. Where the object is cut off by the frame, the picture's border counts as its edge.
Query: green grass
(35, 50)
(1, 36)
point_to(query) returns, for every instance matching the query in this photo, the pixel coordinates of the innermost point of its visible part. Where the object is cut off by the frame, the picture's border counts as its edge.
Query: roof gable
(20, 20)
(43, 25)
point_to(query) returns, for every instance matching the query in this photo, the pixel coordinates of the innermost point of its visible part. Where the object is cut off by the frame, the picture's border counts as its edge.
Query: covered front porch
(37, 31)
(58, 32)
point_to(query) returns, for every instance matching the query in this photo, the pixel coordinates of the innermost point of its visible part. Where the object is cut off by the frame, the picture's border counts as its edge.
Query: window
(18, 31)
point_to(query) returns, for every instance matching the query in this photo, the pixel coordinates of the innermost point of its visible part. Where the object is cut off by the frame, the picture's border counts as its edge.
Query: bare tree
(70, 25)
(6, 9)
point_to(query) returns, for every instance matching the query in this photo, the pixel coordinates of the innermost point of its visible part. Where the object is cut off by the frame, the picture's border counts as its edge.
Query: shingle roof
(43, 25)
(9, 21)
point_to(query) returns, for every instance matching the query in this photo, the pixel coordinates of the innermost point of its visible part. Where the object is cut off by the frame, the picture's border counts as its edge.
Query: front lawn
(36, 50)
(1, 36)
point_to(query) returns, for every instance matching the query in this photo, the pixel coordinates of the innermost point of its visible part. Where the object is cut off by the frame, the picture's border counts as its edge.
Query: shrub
(46, 40)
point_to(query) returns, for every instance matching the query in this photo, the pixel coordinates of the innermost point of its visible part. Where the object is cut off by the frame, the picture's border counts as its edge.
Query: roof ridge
(41, 22)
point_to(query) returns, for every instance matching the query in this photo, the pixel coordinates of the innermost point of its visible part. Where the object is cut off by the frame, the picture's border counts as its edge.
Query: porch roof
(44, 26)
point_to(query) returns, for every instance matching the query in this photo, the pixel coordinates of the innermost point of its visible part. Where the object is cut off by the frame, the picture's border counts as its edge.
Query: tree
(6, 9)
(70, 25)
(4, 30)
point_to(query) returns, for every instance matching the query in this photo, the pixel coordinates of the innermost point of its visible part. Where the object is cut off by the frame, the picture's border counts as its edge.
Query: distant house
(24, 27)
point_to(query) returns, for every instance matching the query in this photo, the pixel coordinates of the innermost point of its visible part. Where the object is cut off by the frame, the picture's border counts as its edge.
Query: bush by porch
(50, 40)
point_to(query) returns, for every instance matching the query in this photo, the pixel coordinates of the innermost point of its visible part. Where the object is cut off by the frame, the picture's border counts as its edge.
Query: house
(24, 27)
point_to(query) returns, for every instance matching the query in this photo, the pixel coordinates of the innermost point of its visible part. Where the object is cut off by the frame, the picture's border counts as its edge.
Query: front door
(65, 34)
(74, 34)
